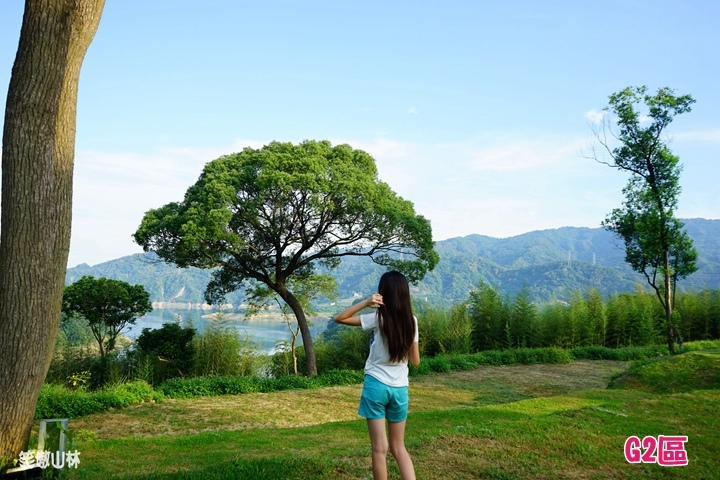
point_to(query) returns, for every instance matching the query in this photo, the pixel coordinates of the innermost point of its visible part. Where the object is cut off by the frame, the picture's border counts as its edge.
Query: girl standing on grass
(393, 341)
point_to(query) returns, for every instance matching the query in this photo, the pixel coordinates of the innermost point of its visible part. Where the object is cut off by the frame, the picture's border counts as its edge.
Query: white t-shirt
(378, 365)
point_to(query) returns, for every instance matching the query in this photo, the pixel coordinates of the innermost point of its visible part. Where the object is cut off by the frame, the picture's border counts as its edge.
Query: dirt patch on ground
(297, 408)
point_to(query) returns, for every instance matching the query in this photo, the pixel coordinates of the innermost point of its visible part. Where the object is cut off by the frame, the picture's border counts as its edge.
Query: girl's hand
(375, 300)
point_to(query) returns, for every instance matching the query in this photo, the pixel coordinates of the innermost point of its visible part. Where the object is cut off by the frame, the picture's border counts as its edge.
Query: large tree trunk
(37, 165)
(297, 309)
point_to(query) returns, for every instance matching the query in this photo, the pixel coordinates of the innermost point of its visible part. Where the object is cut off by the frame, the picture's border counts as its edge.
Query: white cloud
(412, 111)
(705, 136)
(522, 155)
(499, 189)
(112, 192)
(595, 116)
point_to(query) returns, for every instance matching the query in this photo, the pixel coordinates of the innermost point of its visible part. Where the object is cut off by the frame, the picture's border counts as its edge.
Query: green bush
(170, 349)
(346, 349)
(491, 357)
(222, 350)
(340, 377)
(57, 401)
(445, 331)
(701, 345)
(69, 360)
(228, 385)
(622, 353)
(422, 369)
(462, 362)
(590, 353)
(439, 364)
(291, 382)
(553, 355)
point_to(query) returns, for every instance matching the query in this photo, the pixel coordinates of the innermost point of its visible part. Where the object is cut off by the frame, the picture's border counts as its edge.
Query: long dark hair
(395, 317)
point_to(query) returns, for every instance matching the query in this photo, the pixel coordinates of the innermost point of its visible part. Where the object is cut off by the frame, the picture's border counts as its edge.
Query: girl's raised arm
(349, 317)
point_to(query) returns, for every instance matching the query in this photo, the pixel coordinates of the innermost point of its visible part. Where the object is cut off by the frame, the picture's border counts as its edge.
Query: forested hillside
(550, 263)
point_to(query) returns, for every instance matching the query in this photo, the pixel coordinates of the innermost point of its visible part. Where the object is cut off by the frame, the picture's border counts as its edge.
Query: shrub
(69, 360)
(462, 362)
(439, 364)
(491, 357)
(57, 401)
(445, 331)
(590, 353)
(701, 345)
(340, 377)
(553, 355)
(170, 348)
(346, 349)
(221, 350)
(422, 369)
(228, 385)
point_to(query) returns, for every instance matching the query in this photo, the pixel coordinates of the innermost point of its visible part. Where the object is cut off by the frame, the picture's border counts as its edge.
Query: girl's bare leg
(379, 443)
(397, 448)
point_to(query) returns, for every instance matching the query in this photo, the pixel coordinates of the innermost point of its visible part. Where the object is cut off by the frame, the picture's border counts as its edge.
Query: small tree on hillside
(107, 305)
(655, 243)
(265, 215)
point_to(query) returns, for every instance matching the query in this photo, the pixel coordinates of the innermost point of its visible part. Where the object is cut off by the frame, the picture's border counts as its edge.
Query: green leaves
(264, 214)
(655, 243)
(646, 220)
(268, 216)
(107, 305)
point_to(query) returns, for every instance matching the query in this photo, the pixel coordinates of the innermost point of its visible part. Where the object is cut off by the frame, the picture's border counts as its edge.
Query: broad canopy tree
(656, 244)
(262, 216)
(107, 305)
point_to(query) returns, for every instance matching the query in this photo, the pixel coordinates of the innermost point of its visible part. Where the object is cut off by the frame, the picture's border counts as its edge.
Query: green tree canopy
(264, 215)
(171, 345)
(655, 243)
(107, 305)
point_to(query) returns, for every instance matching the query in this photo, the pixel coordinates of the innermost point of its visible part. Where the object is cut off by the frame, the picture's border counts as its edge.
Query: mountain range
(551, 264)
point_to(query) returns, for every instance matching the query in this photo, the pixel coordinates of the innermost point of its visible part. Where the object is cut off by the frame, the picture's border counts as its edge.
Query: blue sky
(478, 112)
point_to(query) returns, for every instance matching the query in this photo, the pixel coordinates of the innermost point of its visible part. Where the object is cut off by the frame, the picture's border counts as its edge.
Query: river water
(265, 332)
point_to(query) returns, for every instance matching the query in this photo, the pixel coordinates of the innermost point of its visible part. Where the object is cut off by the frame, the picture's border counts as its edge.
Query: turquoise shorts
(379, 401)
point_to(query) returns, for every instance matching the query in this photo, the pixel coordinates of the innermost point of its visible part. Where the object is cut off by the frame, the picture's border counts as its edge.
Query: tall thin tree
(656, 244)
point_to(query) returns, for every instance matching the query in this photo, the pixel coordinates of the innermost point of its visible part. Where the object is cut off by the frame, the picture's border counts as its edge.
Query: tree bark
(297, 309)
(668, 304)
(37, 166)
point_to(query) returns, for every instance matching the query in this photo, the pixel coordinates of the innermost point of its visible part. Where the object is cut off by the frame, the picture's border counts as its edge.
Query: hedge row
(57, 401)
(223, 385)
(638, 353)
(526, 356)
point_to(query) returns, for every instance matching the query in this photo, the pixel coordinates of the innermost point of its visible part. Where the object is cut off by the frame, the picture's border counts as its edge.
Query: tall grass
(222, 350)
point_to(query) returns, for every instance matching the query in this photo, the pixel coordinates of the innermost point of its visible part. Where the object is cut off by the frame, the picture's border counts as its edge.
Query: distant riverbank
(266, 329)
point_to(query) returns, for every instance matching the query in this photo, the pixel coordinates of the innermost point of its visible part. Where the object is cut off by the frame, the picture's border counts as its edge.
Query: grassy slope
(536, 421)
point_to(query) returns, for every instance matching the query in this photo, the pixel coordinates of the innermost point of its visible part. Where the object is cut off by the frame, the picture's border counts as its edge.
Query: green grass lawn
(524, 421)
